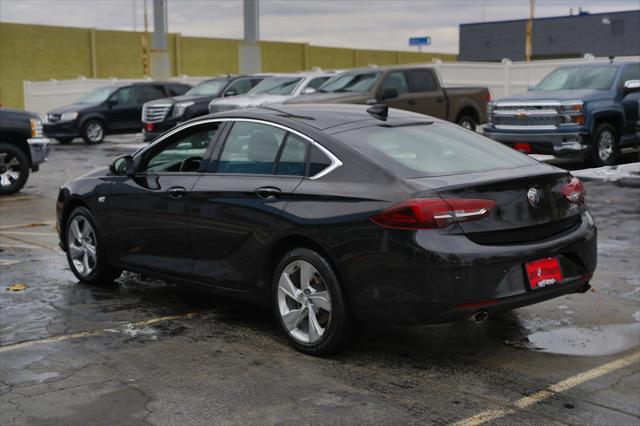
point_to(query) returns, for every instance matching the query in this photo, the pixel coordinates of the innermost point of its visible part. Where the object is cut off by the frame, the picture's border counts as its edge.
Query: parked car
(22, 148)
(163, 114)
(273, 90)
(332, 214)
(411, 88)
(585, 110)
(107, 110)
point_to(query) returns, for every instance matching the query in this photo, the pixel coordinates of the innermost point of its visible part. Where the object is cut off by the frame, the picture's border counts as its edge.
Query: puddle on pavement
(597, 341)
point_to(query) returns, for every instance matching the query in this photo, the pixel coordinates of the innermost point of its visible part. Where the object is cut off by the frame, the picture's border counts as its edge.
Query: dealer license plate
(543, 272)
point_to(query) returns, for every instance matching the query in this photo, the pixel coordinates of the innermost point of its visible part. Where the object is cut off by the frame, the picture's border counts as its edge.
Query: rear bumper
(543, 143)
(447, 277)
(156, 129)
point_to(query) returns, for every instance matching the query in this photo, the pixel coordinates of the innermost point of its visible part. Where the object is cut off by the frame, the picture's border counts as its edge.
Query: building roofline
(550, 18)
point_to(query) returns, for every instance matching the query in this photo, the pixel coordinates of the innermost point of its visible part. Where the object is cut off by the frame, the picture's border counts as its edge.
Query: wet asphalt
(149, 352)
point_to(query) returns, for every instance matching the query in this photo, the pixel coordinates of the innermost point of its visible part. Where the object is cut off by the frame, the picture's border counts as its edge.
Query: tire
(93, 132)
(82, 239)
(297, 304)
(14, 169)
(64, 141)
(467, 121)
(604, 146)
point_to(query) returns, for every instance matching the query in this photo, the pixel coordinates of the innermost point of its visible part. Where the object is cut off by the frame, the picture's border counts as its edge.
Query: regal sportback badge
(534, 197)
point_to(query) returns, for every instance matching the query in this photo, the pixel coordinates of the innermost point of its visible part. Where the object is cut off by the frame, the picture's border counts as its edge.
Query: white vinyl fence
(503, 79)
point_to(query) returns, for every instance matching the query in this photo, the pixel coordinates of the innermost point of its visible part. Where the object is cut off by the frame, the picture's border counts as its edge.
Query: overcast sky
(369, 24)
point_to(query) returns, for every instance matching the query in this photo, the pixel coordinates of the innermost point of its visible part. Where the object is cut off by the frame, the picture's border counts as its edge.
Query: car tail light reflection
(523, 147)
(432, 213)
(573, 191)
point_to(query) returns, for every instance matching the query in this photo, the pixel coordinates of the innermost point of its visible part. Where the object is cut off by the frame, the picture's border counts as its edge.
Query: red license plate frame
(543, 272)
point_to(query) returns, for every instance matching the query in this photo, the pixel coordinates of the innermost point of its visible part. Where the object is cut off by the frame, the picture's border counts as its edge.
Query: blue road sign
(419, 41)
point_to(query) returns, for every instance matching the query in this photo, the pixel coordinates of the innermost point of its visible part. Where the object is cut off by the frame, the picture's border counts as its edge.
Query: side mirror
(112, 102)
(230, 93)
(631, 86)
(389, 93)
(122, 166)
(308, 90)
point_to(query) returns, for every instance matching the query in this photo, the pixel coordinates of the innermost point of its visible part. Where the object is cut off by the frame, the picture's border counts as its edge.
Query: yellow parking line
(28, 225)
(35, 234)
(144, 323)
(571, 382)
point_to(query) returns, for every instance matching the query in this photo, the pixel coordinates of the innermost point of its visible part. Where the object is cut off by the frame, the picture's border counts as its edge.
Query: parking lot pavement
(143, 351)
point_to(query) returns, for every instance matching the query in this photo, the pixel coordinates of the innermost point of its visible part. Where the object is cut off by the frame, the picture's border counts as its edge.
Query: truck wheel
(93, 132)
(467, 121)
(309, 304)
(64, 141)
(14, 169)
(604, 146)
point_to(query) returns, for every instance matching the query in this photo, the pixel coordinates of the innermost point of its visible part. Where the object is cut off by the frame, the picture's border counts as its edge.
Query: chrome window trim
(335, 161)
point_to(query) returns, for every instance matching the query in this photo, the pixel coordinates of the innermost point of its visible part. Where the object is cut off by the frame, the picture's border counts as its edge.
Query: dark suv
(107, 110)
(163, 114)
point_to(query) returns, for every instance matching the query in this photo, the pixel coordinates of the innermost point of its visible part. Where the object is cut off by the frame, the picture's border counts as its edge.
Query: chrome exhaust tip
(479, 317)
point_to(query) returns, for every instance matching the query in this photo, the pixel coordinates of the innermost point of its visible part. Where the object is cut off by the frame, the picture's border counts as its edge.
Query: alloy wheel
(9, 169)
(467, 125)
(81, 239)
(605, 145)
(304, 302)
(95, 132)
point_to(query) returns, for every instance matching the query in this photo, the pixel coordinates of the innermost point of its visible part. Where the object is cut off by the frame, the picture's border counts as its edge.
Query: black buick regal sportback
(335, 215)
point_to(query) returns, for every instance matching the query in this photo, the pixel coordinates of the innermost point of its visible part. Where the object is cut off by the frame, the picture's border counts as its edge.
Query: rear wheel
(14, 169)
(467, 121)
(65, 141)
(309, 303)
(93, 132)
(604, 146)
(85, 250)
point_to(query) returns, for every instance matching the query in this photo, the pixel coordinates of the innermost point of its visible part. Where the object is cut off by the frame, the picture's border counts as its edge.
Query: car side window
(125, 97)
(240, 86)
(293, 159)
(317, 82)
(396, 80)
(318, 161)
(178, 89)
(630, 72)
(149, 93)
(184, 152)
(422, 81)
(251, 148)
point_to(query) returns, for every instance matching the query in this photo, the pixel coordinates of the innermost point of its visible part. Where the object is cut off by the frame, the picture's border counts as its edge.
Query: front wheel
(93, 132)
(14, 169)
(467, 121)
(85, 250)
(309, 303)
(604, 146)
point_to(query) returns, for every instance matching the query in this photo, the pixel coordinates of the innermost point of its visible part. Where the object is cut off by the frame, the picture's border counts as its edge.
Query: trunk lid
(529, 205)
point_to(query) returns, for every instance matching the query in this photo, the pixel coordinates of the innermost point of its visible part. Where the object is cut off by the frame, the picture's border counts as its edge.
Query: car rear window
(431, 149)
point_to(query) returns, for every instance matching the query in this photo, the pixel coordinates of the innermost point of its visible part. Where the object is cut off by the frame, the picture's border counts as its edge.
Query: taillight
(573, 191)
(431, 213)
(523, 147)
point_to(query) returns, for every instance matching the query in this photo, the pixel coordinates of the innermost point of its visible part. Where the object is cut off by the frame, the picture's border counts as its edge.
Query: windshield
(361, 82)
(207, 88)
(431, 149)
(574, 78)
(276, 86)
(96, 96)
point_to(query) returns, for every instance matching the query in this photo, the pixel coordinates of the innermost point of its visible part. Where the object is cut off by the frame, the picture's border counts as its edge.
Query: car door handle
(176, 192)
(268, 192)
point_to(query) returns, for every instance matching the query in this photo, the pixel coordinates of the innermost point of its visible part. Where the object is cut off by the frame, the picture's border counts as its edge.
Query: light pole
(529, 40)
(249, 56)
(160, 66)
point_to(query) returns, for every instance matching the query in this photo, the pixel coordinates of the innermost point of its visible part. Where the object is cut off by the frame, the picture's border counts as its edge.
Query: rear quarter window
(431, 149)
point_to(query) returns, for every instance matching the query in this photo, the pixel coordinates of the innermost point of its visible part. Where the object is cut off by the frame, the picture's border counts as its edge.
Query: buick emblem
(534, 197)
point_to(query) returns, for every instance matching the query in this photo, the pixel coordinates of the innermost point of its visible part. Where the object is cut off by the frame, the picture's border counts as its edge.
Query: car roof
(385, 68)
(318, 116)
